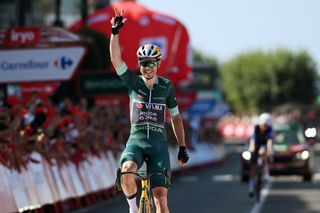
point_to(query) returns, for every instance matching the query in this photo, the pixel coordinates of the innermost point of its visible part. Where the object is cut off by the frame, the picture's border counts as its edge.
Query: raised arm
(115, 52)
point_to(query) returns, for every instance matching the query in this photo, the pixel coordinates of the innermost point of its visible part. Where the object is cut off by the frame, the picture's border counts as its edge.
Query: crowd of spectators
(70, 130)
(61, 132)
(305, 117)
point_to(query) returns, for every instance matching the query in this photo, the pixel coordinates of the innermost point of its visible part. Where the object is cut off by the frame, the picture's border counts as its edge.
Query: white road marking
(316, 177)
(189, 179)
(215, 178)
(225, 178)
(264, 193)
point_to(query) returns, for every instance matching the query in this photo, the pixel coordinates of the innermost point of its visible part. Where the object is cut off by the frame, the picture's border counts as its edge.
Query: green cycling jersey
(148, 106)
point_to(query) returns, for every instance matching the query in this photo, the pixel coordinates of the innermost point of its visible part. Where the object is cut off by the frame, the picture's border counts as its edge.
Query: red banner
(236, 130)
(43, 89)
(185, 100)
(22, 36)
(147, 26)
(112, 101)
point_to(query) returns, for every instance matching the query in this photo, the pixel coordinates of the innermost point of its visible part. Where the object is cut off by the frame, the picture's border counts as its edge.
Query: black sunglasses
(148, 63)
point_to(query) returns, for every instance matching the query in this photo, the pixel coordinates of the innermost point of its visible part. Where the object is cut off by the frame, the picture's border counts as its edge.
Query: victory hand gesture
(117, 21)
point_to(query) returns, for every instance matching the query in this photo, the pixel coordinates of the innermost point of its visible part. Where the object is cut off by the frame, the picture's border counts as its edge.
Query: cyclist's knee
(262, 151)
(160, 195)
(162, 198)
(128, 180)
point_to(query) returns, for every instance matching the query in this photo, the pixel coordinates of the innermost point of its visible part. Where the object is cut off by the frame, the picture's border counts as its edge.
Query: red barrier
(236, 130)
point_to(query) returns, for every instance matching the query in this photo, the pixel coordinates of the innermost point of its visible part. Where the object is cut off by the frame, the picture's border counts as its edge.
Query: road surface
(217, 188)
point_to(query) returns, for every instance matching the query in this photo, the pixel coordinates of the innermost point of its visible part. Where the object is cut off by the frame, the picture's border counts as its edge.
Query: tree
(259, 81)
(199, 57)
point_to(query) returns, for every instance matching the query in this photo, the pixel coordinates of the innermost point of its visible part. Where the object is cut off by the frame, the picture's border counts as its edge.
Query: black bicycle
(259, 180)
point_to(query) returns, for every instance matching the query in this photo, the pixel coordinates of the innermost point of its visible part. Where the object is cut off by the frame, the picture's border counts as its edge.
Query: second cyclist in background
(260, 145)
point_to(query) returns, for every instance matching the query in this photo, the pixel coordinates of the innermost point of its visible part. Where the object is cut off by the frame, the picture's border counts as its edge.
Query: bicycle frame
(146, 200)
(146, 204)
(259, 182)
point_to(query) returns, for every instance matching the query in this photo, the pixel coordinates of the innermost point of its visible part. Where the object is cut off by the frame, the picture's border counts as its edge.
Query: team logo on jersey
(148, 113)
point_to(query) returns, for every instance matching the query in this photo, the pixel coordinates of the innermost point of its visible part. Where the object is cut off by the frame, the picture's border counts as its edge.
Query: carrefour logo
(7, 65)
(39, 64)
(63, 62)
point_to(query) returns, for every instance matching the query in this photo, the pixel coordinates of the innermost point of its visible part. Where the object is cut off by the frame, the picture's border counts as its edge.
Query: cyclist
(150, 95)
(260, 145)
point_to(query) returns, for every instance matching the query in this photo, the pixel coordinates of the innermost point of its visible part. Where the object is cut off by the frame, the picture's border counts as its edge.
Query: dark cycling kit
(260, 138)
(148, 140)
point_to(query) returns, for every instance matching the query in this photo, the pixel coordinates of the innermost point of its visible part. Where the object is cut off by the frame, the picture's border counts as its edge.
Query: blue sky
(225, 28)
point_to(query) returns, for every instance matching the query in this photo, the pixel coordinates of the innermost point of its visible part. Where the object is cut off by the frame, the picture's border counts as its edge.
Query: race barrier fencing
(42, 183)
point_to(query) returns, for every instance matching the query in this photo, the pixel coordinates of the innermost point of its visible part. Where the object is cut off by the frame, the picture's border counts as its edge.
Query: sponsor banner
(236, 130)
(48, 64)
(43, 89)
(22, 36)
(101, 84)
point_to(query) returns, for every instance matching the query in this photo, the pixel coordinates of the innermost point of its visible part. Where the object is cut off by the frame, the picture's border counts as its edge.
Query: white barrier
(7, 200)
(39, 180)
(43, 183)
(202, 153)
(58, 184)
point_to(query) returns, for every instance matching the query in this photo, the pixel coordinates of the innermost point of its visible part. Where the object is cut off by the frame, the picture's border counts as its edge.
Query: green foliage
(201, 58)
(259, 81)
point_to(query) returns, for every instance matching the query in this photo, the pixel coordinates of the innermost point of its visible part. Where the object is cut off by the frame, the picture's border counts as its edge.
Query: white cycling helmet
(264, 118)
(149, 51)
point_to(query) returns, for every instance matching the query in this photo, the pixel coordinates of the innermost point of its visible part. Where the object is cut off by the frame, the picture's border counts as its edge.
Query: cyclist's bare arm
(115, 53)
(269, 147)
(252, 145)
(178, 129)
(115, 50)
